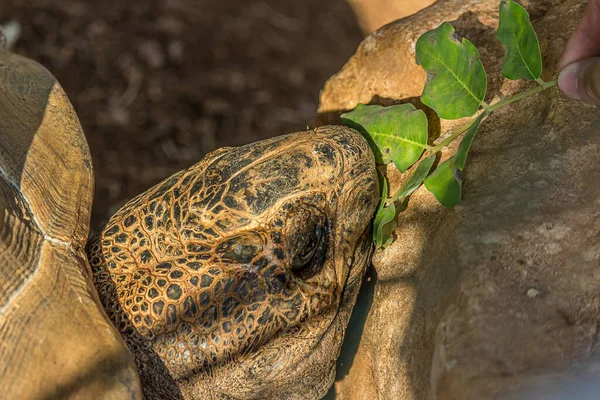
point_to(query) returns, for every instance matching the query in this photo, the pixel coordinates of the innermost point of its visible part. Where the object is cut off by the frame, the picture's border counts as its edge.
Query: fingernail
(568, 80)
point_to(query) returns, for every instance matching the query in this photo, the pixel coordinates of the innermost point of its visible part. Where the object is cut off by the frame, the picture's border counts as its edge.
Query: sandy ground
(159, 83)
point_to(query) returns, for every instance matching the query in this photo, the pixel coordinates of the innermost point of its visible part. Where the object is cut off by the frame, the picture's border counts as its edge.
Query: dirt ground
(159, 83)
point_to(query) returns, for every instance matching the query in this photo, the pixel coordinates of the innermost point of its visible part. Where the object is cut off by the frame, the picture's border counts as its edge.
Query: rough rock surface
(500, 296)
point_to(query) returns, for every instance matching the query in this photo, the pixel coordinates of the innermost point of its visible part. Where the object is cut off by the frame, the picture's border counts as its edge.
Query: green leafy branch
(456, 87)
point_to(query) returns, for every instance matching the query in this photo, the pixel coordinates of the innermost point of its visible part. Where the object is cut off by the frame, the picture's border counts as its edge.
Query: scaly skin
(236, 278)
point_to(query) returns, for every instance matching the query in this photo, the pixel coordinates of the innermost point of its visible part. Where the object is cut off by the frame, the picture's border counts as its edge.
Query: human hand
(580, 62)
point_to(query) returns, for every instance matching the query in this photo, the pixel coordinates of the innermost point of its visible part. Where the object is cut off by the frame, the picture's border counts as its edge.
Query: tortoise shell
(55, 339)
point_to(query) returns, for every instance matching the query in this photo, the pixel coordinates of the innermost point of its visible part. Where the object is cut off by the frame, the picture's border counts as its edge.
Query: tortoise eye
(311, 248)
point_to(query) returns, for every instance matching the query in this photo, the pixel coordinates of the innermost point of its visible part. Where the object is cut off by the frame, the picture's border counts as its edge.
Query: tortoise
(234, 278)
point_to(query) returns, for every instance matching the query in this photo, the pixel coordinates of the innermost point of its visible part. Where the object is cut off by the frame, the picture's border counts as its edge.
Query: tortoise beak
(358, 201)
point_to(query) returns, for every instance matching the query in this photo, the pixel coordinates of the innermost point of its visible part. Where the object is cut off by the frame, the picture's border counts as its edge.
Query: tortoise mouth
(353, 232)
(361, 258)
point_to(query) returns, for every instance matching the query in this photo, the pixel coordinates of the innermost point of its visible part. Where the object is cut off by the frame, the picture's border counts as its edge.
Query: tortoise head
(237, 276)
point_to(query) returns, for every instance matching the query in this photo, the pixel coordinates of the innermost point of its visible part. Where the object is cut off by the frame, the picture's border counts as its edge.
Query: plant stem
(489, 109)
(430, 150)
(452, 136)
(521, 95)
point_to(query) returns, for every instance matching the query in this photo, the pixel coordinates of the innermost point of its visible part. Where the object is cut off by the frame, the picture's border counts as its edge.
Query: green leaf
(446, 181)
(383, 184)
(467, 140)
(396, 133)
(385, 218)
(456, 80)
(522, 59)
(384, 225)
(415, 179)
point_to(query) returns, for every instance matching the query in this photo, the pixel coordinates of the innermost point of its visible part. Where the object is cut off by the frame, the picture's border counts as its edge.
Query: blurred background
(157, 84)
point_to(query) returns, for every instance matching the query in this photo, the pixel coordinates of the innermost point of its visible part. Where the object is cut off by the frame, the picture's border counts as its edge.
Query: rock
(500, 296)
(373, 14)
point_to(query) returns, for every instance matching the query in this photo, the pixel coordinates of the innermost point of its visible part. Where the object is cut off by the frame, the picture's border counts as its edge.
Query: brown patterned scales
(236, 278)
(232, 279)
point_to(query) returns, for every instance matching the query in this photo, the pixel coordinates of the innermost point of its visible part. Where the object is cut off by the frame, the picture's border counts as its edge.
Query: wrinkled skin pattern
(236, 277)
